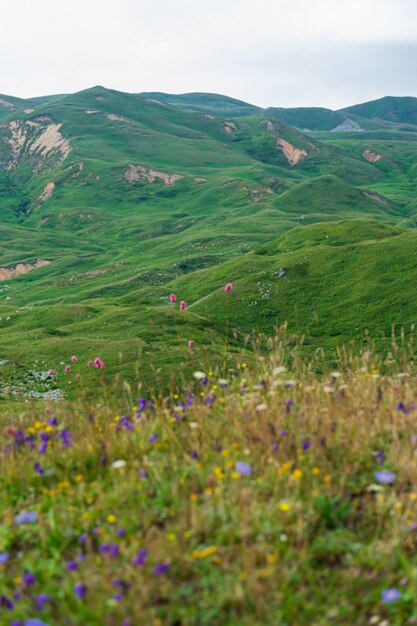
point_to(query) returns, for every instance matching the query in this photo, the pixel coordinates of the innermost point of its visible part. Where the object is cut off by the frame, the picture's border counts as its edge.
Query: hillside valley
(111, 201)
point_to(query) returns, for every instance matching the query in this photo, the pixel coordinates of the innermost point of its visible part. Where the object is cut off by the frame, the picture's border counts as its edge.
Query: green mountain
(391, 109)
(110, 201)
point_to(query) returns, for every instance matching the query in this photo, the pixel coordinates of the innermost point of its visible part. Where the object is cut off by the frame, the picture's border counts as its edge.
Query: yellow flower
(284, 506)
(79, 478)
(244, 365)
(230, 463)
(243, 576)
(235, 475)
(18, 580)
(204, 553)
(315, 471)
(194, 497)
(112, 519)
(266, 572)
(175, 396)
(297, 474)
(271, 558)
(285, 467)
(172, 537)
(327, 479)
(218, 472)
(224, 453)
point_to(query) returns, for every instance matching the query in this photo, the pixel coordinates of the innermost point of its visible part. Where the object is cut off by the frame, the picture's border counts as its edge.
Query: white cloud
(270, 52)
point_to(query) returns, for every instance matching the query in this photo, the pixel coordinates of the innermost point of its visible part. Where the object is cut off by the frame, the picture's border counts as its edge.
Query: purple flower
(384, 477)
(121, 584)
(26, 518)
(80, 589)
(71, 566)
(244, 469)
(160, 569)
(28, 578)
(41, 600)
(34, 621)
(140, 558)
(401, 407)
(7, 603)
(114, 550)
(38, 468)
(53, 421)
(4, 557)
(284, 433)
(65, 437)
(194, 455)
(153, 438)
(105, 548)
(306, 444)
(121, 532)
(118, 596)
(83, 538)
(143, 473)
(275, 447)
(391, 595)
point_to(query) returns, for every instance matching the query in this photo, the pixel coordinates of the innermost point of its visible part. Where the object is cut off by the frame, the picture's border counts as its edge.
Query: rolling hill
(110, 201)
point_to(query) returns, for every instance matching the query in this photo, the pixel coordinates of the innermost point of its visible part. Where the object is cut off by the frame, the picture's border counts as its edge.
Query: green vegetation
(130, 199)
(268, 494)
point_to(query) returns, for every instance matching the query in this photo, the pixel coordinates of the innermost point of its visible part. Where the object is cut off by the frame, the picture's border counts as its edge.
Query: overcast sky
(329, 53)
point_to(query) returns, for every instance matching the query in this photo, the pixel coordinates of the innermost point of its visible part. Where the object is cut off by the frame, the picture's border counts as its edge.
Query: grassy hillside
(393, 109)
(114, 200)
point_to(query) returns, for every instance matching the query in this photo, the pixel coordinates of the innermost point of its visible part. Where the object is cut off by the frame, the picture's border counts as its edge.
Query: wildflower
(74, 359)
(384, 477)
(67, 368)
(99, 364)
(38, 468)
(71, 566)
(28, 578)
(4, 557)
(391, 595)
(204, 553)
(172, 297)
(306, 445)
(191, 343)
(90, 363)
(199, 375)
(162, 568)
(118, 464)
(41, 600)
(83, 538)
(143, 473)
(141, 557)
(80, 589)
(244, 469)
(26, 518)
(183, 305)
(401, 407)
(228, 287)
(121, 532)
(284, 506)
(51, 372)
(78, 376)
(34, 621)
(297, 474)
(8, 604)
(153, 438)
(111, 519)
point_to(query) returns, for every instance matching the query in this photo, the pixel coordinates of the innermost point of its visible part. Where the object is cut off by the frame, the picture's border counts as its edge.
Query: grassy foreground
(274, 494)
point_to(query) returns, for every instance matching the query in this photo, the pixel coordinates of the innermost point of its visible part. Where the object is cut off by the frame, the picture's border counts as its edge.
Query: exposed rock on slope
(41, 138)
(6, 273)
(372, 157)
(292, 154)
(139, 173)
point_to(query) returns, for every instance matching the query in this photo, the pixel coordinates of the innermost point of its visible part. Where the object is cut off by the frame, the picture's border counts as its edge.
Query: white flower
(193, 424)
(261, 407)
(279, 370)
(336, 375)
(328, 389)
(199, 375)
(118, 464)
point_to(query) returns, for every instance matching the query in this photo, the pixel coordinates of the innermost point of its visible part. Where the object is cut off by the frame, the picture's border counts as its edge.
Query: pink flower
(51, 372)
(90, 363)
(99, 364)
(78, 376)
(228, 288)
(67, 368)
(47, 410)
(183, 305)
(191, 343)
(172, 297)
(74, 359)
